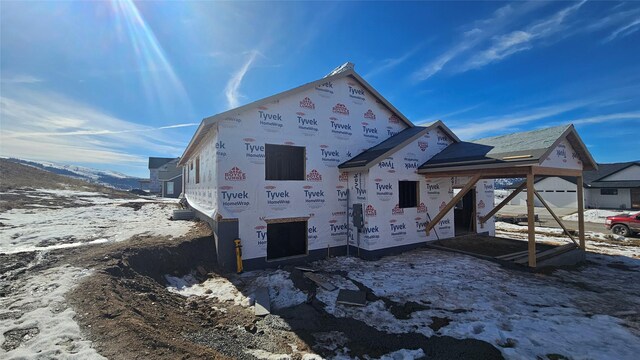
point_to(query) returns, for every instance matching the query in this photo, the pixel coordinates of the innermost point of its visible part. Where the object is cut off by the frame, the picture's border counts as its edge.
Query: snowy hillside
(108, 178)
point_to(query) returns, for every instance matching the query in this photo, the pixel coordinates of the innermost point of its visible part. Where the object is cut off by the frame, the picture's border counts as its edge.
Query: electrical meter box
(358, 216)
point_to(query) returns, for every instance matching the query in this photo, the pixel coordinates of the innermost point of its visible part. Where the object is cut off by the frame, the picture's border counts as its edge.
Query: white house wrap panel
(333, 122)
(563, 156)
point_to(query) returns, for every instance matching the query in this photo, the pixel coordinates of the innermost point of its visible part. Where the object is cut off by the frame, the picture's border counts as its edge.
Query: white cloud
(231, 91)
(388, 64)
(632, 115)
(19, 79)
(477, 33)
(505, 45)
(45, 126)
(493, 124)
(625, 30)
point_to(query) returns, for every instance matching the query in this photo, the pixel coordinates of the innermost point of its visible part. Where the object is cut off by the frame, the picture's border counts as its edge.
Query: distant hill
(112, 179)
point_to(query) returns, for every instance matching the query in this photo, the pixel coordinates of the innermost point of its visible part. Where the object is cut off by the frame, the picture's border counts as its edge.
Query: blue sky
(107, 84)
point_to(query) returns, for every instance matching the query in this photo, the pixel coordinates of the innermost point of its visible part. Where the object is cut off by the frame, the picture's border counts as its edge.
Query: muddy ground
(127, 311)
(131, 313)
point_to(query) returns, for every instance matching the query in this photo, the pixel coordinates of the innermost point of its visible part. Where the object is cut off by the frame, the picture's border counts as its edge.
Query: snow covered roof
(375, 154)
(341, 71)
(529, 147)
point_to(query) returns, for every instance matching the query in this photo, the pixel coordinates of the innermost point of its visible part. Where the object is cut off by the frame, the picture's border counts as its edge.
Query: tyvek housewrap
(563, 156)
(334, 122)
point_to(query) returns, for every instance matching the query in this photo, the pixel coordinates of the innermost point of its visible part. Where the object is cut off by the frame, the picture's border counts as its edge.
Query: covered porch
(552, 152)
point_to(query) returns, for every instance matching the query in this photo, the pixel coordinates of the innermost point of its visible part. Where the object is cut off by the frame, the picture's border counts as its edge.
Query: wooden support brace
(452, 203)
(531, 221)
(554, 216)
(503, 202)
(580, 194)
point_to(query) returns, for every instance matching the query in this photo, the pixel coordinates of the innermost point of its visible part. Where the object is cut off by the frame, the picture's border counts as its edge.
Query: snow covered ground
(96, 219)
(610, 244)
(595, 215)
(587, 313)
(35, 321)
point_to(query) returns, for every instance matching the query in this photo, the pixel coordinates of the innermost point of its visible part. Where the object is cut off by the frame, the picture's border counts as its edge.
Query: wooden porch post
(580, 194)
(531, 221)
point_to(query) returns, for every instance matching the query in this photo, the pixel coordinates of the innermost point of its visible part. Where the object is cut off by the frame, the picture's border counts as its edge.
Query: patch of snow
(282, 292)
(403, 354)
(39, 303)
(43, 229)
(524, 315)
(595, 215)
(218, 288)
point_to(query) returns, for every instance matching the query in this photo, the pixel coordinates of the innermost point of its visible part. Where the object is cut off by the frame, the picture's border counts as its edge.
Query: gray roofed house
(155, 167)
(613, 185)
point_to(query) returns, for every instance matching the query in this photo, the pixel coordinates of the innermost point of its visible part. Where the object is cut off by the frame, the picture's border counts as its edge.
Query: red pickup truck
(623, 224)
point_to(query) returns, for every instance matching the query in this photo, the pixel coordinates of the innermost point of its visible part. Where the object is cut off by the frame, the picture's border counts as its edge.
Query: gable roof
(345, 70)
(529, 147)
(377, 153)
(156, 162)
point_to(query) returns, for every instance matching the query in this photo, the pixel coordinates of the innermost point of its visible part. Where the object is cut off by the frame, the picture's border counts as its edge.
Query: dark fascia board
(578, 145)
(235, 111)
(394, 149)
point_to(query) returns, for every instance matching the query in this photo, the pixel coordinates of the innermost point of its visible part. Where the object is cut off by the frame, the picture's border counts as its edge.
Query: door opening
(464, 214)
(286, 239)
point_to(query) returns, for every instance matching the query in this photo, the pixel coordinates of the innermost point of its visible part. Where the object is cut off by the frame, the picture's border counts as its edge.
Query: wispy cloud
(476, 34)
(390, 63)
(625, 30)
(232, 90)
(506, 122)
(503, 46)
(19, 79)
(45, 126)
(446, 116)
(632, 115)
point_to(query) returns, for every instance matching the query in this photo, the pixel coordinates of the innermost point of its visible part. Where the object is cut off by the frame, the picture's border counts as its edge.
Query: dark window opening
(286, 239)
(608, 191)
(408, 194)
(284, 162)
(198, 170)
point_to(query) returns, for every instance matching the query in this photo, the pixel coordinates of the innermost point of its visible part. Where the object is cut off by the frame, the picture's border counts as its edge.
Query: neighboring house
(155, 186)
(611, 186)
(170, 178)
(285, 173)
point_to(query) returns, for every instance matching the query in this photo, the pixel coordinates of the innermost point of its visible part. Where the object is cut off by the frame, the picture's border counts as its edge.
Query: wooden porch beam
(579, 192)
(554, 216)
(547, 171)
(531, 221)
(452, 203)
(495, 173)
(503, 202)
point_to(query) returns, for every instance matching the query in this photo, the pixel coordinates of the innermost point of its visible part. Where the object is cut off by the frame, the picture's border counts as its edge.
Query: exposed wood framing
(546, 171)
(503, 203)
(452, 203)
(554, 216)
(579, 184)
(531, 221)
(286, 220)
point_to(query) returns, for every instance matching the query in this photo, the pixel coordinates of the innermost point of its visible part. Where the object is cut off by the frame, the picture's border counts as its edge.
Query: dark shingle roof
(383, 150)
(528, 147)
(371, 154)
(494, 149)
(156, 162)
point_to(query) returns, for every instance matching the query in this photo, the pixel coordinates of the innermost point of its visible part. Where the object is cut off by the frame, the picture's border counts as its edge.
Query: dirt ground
(126, 310)
(489, 246)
